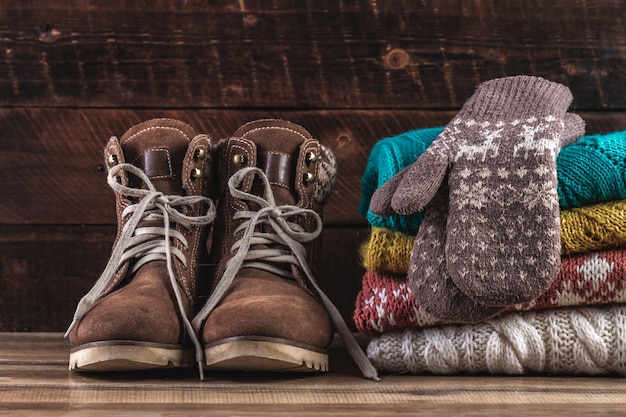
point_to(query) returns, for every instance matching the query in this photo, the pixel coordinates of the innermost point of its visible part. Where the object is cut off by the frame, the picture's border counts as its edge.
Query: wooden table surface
(34, 381)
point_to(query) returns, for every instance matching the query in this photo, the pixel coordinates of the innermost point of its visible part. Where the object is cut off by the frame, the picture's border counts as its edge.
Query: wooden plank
(361, 54)
(45, 270)
(53, 172)
(414, 408)
(32, 386)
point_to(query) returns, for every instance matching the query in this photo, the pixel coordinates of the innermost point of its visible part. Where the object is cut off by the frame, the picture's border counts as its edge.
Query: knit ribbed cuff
(516, 97)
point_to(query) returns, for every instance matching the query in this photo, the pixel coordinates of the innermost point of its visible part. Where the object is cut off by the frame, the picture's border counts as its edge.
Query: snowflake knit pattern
(385, 301)
(386, 159)
(573, 341)
(589, 171)
(498, 155)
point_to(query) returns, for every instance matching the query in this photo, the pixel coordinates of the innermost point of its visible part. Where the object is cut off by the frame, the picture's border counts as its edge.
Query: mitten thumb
(574, 129)
(380, 203)
(422, 179)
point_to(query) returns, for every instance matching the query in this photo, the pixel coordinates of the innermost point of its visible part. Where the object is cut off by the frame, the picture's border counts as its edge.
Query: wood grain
(322, 54)
(34, 381)
(53, 171)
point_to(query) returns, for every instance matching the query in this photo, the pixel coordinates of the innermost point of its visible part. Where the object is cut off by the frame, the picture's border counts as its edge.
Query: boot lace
(290, 236)
(144, 244)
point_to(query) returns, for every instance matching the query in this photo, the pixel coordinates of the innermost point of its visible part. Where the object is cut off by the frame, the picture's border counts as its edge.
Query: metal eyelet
(308, 178)
(239, 159)
(112, 160)
(195, 173)
(199, 153)
(311, 157)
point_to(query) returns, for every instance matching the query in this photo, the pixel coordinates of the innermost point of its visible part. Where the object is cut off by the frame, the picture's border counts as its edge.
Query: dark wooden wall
(75, 72)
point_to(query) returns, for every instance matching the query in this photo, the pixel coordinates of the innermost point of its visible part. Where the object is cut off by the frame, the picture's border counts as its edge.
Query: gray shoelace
(287, 234)
(145, 244)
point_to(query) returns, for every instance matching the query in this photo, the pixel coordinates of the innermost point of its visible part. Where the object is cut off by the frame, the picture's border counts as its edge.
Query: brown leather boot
(137, 314)
(266, 311)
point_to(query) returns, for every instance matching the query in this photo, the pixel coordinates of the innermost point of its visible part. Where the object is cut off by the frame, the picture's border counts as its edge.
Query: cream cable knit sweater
(577, 340)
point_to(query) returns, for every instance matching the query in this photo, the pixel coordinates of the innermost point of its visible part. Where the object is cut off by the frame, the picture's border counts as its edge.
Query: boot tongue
(158, 148)
(278, 144)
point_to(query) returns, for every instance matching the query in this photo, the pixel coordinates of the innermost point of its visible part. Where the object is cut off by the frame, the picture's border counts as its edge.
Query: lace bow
(145, 244)
(289, 235)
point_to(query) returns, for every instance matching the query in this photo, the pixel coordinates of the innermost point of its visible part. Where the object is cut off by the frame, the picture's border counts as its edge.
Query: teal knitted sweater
(590, 170)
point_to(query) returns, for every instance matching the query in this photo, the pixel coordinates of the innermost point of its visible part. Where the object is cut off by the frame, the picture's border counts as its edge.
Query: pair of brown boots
(240, 295)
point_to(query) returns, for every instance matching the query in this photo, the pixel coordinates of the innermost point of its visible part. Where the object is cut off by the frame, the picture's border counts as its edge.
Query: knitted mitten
(386, 159)
(579, 340)
(428, 277)
(503, 242)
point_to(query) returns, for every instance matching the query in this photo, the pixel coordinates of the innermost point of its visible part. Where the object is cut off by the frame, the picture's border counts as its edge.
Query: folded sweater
(573, 341)
(584, 229)
(385, 301)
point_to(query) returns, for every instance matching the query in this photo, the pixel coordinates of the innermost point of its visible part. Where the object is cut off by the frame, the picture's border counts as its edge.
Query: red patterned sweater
(385, 301)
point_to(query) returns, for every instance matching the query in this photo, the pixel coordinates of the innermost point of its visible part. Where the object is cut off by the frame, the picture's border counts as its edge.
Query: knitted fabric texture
(593, 227)
(575, 341)
(387, 250)
(584, 229)
(499, 157)
(388, 157)
(385, 301)
(592, 170)
(326, 175)
(428, 276)
(589, 171)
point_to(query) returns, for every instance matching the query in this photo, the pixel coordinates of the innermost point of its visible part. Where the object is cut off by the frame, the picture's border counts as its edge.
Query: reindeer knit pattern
(498, 156)
(582, 340)
(493, 251)
(386, 303)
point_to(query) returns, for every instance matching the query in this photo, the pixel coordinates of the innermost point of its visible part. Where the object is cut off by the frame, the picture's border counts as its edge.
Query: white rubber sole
(264, 354)
(128, 356)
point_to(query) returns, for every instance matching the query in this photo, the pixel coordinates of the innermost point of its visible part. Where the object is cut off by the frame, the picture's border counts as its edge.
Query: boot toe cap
(299, 319)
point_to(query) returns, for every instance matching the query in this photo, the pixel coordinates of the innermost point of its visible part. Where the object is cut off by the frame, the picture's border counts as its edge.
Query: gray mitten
(428, 276)
(503, 238)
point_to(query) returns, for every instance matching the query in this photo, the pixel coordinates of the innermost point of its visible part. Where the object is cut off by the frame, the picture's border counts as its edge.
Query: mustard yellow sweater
(583, 229)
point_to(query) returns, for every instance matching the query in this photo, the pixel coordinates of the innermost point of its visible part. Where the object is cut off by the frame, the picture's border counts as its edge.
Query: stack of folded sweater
(577, 323)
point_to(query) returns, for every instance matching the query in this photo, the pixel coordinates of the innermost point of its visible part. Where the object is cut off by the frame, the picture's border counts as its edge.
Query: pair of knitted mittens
(490, 236)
